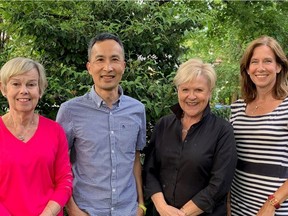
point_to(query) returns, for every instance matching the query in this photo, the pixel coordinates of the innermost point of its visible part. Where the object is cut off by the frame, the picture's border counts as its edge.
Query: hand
(191, 209)
(228, 206)
(73, 210)
(76, 212)
(163, 208)
(52, 209)
(266, 210)
(46, 213)
(140, 212)
(171, 211)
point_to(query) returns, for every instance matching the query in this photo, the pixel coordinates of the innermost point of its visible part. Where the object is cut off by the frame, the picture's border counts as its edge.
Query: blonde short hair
(20, 65)
(193, 68)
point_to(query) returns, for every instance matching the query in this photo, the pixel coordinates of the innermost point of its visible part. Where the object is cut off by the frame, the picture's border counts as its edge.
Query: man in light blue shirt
(106, 131)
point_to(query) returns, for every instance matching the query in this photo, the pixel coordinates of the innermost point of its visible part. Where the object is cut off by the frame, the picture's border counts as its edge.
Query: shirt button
(112, 132)
(112, 151)
(113, 189)
(112, 209)
(113, 170)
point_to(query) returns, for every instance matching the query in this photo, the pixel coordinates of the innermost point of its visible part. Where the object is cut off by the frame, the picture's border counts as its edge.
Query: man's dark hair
(102, 37)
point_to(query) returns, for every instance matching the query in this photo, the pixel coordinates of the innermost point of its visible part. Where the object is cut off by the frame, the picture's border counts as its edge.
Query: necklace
(20, 137)
(27, 128)
(255, 109)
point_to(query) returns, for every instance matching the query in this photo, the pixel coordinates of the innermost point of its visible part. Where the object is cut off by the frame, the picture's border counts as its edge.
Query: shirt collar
(99, 101)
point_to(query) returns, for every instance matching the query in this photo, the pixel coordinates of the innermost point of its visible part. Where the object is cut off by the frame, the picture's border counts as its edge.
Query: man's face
(106, 65)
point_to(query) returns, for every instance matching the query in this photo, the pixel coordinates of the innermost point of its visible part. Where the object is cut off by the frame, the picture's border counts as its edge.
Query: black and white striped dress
(262, 148)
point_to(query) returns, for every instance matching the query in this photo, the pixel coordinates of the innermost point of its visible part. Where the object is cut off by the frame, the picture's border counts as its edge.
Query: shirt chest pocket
(126, 137)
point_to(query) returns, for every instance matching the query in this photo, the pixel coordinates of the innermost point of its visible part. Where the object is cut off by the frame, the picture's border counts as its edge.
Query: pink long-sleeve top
(34, 172)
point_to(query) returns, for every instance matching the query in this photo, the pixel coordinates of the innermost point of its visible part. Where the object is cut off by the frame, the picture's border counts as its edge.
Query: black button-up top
(200, 168)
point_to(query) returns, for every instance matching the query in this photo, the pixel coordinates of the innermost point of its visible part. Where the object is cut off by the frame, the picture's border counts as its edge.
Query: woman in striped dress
(260, 122)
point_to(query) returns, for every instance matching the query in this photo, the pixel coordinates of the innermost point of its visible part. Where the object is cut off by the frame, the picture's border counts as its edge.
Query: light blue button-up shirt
(103, 144)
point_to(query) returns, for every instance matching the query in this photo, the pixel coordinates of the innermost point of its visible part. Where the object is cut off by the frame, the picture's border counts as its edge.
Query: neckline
(265, 114)
(7, 131)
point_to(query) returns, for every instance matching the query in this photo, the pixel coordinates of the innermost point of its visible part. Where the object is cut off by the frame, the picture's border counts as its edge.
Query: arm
(153, 188)
(281, 195)
(64, 119)
(63, 176)
(138, 178)
(228, 204)
(51, 209)
(152, 184)
(137, 169)
(222, 172)
(191, 209)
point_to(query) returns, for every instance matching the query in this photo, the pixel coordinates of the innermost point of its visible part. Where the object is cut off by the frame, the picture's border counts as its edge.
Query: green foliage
(228, 78)
(229, 26)
(223, 112)
(76, 83)
(152, 88)
(59, 32)
(157, 35)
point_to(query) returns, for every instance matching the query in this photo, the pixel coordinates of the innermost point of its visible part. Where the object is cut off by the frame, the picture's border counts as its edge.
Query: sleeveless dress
(262, 149)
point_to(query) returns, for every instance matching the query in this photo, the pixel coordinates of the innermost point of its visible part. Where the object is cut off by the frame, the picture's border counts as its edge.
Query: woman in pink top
(35, 171)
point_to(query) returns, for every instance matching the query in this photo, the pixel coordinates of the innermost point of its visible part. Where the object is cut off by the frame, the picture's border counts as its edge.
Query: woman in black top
(191, 158)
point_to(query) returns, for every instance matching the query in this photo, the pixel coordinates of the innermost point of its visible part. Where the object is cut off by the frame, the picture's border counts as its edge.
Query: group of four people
(195, 164)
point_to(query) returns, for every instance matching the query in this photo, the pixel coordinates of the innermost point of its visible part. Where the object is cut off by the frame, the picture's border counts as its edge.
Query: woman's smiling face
(22, 91)
(193, 96)
(263, 67)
